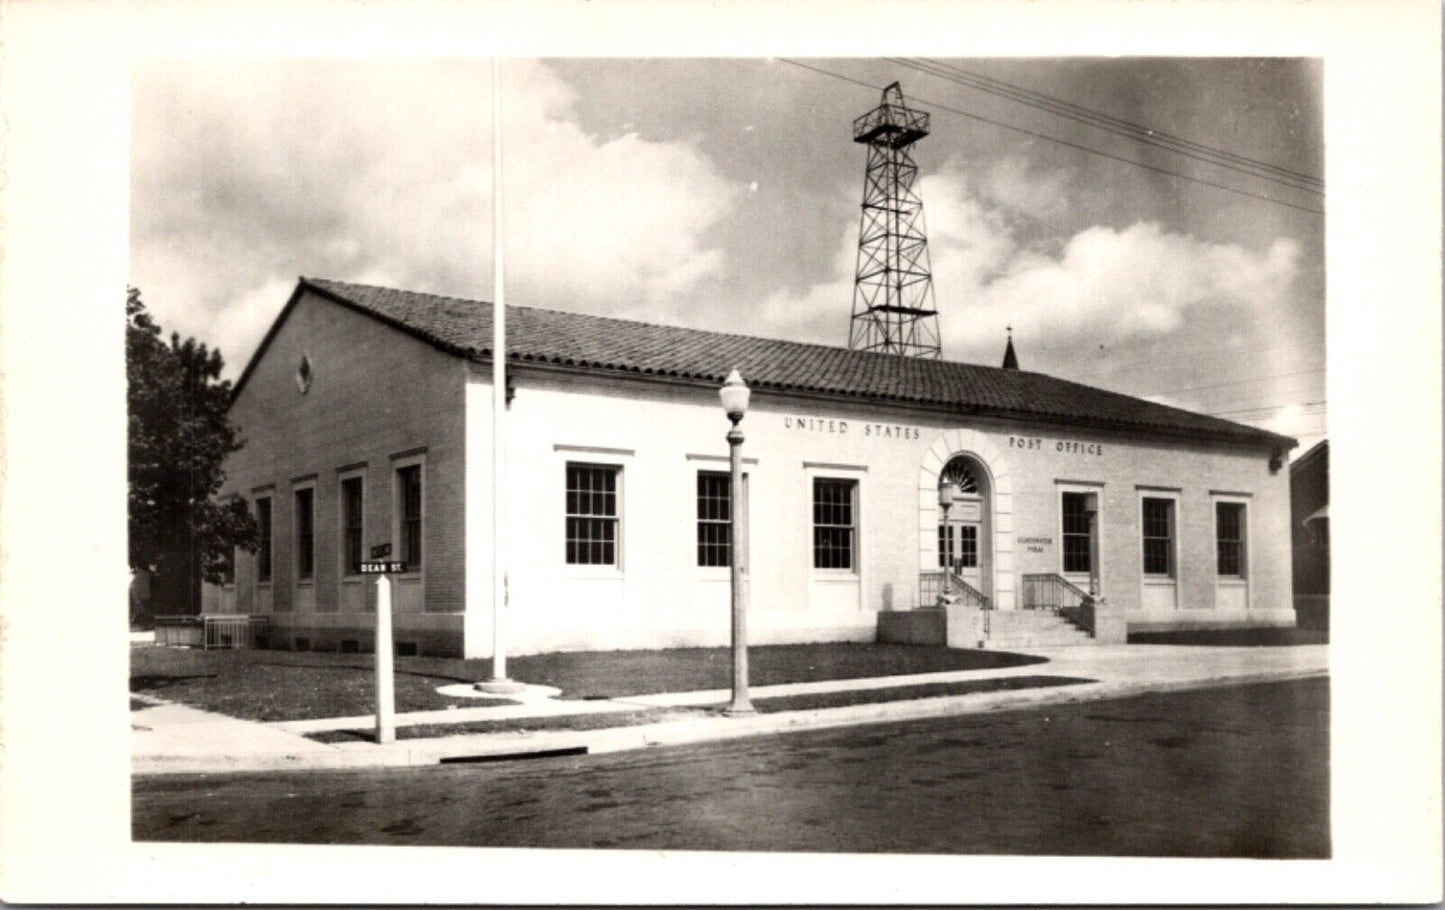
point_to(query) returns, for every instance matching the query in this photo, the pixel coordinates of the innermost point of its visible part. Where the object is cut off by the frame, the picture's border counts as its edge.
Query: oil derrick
(893, 305)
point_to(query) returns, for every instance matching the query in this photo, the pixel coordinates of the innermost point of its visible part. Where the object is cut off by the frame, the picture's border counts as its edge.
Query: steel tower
(893, 304)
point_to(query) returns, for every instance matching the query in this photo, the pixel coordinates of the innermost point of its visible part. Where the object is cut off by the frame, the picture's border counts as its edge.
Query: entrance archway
(965, 544)
(985, 504)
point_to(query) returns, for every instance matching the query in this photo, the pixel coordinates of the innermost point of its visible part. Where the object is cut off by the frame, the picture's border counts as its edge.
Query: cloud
(246, 175)
(1100, 284)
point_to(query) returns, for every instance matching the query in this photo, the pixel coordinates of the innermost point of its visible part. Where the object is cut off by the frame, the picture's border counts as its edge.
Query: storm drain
(512, 756)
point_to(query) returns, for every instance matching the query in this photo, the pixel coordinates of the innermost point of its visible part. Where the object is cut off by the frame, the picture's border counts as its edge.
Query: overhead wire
(1135, 132)
(1275, 407)
(1063, 142)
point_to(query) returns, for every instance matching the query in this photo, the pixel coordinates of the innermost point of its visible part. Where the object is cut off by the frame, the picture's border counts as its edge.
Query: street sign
(381, 551)
(376, 567)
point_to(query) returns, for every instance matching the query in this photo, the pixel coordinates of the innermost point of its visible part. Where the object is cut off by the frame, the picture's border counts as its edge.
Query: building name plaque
(1035, 544)
(1067, 446)
(843, 428)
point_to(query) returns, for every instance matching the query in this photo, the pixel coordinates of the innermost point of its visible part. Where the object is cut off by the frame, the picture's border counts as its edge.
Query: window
(1159, 537)
(714, 519)
(1229, 538)
(591, 515)
(408, 494)
(833, 522)
(351, 517)
(945, 544)
(305, 533)
(1078, 543)
(263, 549)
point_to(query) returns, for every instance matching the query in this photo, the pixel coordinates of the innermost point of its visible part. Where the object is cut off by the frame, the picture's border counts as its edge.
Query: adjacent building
(1309, 495)
(366, 414)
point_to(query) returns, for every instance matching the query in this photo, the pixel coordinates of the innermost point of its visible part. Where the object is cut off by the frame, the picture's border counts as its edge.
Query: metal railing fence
(208, 631)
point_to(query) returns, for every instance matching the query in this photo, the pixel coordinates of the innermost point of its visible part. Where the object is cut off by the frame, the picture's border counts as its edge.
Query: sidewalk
(170, 738)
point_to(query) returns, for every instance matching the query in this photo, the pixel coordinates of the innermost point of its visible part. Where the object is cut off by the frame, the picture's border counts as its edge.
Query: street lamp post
(946, 490)
(734, 395)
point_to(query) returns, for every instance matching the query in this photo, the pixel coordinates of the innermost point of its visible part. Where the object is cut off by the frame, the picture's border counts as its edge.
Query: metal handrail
(930, 585)
(1052, 591)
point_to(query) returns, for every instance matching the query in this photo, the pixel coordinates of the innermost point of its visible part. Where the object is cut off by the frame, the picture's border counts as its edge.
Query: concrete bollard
(385, 696)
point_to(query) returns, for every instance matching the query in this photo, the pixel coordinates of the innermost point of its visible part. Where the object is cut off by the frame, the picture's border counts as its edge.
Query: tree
(179, 437)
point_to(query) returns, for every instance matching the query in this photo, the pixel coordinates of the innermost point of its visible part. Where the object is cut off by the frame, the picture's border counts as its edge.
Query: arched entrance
(981, 516)
(965, 542)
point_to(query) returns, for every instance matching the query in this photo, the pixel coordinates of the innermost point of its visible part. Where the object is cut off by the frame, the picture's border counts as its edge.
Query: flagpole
(499, 397)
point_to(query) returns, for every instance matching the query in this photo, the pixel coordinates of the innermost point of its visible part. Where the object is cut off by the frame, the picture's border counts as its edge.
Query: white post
(385, 698)
(499, 395)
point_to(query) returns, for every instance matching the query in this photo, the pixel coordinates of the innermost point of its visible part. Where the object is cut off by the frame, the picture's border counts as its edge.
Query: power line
(1119, 127)
(1276, 407)
(1221, 385)
(1203, 352)
(1064, 142)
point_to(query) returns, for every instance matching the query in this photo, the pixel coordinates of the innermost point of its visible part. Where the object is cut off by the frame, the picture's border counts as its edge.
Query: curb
(495, 746)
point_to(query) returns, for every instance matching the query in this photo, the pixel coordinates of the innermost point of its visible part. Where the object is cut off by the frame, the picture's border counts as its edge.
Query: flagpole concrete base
(500, 686)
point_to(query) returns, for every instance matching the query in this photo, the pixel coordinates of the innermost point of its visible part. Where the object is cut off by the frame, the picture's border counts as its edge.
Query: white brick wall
(659, 597)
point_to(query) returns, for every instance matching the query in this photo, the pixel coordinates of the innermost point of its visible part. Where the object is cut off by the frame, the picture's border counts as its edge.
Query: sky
(724, 194)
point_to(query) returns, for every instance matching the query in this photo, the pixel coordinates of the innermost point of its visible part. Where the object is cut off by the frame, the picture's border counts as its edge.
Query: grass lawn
(658, 715)
(1276, 637)
(285, 685)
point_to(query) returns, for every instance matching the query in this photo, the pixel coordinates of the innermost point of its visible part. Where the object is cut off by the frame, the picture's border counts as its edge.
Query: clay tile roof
(464, 328)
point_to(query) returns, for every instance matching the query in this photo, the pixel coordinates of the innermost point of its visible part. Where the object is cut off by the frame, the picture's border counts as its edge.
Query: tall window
(351, 513)
(1078, 548)
(408, 494)
(834, 527)
(263, 548)
(945, 544)
(714, 518)
(591, 515)
(1229, 538)
(305, 533)
(1159, 537)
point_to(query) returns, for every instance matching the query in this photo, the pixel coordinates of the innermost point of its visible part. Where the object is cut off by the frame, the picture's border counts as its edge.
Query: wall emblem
(303, 374)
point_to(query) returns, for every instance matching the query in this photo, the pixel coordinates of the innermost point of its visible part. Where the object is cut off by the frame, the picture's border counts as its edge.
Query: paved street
(1237, 771)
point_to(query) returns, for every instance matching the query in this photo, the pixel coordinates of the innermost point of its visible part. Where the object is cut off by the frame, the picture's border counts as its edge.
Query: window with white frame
(835, 507)
(305, 533)
(1158, 535)
(1229, 539)
(352, 516)
(263, 544)
(592, 514)
(409, 515)
(714, 518)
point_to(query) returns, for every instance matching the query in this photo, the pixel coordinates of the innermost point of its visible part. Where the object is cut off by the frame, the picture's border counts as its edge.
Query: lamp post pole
(945, 500)
(734, 394)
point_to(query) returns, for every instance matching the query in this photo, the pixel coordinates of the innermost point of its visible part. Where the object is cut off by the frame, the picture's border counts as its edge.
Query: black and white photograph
(664, 460)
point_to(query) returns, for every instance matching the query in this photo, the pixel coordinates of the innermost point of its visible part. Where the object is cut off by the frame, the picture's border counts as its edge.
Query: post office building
(908, 498)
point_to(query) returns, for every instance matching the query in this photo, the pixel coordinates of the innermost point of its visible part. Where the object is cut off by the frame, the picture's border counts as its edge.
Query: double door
(959, 538)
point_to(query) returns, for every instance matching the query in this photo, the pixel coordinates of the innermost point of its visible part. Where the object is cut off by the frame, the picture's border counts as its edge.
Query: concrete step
(1011, 642)
(1013, 629)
